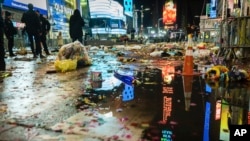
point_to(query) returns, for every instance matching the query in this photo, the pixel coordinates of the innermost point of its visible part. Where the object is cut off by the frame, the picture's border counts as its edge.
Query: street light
(142, 10)
(142, 15)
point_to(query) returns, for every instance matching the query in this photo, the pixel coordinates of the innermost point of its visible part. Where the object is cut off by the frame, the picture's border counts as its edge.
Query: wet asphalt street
(36, 105)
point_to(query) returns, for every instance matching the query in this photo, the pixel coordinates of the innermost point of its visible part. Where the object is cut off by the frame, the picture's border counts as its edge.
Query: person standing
(2, 51)
(76, 23)
(9, 31)
(33, 29)
(45, 28)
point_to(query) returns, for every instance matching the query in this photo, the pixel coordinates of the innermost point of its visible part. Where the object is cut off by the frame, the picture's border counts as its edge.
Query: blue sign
(40, 5)
(60, 12)
(213, 7)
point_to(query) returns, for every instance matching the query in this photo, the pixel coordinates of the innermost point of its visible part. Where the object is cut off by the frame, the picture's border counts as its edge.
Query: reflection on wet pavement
(156, 108)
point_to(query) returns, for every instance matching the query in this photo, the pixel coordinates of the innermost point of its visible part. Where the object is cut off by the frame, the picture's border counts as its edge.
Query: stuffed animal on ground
(217, 73)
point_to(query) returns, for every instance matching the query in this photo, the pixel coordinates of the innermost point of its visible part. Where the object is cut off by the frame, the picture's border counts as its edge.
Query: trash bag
(65, 65)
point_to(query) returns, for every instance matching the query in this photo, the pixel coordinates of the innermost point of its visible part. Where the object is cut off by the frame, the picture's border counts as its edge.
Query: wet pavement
(36, 105)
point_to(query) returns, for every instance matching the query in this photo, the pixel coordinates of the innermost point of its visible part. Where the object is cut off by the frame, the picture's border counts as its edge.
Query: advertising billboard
(169, 13)
(107, 17)
(40, 5)
(59, 14)
(106, 9)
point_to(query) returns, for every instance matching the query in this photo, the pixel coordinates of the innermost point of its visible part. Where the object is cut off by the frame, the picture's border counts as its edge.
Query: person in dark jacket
(76, 23)
(9, 31)
(2, 51)
(33, 29)
(45, 28)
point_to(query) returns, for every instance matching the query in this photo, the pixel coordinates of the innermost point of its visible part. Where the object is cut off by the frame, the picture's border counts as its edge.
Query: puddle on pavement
(158, 102)
(175, 112)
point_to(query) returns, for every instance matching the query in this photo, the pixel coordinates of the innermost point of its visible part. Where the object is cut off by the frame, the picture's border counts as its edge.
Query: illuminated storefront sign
(169, 13)
(40, 5)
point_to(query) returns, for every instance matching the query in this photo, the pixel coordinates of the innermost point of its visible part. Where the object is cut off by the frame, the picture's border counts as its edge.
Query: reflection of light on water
(168, 73)
(167, 107)
(207, 122)
(224, 134)
(218, 110)
(109, 114)
(128, 93)
(109, 83)
(167, 135)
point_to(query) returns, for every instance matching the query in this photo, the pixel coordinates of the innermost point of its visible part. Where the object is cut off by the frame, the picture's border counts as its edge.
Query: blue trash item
(124, 78)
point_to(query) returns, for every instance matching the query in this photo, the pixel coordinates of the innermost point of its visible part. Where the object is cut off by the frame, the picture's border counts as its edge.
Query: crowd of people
(37, 27)
(34, 24)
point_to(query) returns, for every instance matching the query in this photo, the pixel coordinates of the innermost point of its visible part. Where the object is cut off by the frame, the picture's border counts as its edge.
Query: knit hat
(30, 6)
(7, 13)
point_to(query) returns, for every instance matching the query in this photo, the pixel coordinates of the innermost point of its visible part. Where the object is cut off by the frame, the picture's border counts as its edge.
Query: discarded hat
(7, 13)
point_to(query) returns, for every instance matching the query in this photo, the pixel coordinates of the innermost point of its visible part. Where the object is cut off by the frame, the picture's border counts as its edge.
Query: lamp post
(142, 16)
(158, 26)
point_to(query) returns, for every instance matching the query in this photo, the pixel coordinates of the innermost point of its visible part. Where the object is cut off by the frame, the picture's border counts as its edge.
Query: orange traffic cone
(188, 66)
(187, 86)
(188, 72)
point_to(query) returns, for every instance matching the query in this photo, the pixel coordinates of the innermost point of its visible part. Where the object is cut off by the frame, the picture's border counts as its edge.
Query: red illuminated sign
(169, 13)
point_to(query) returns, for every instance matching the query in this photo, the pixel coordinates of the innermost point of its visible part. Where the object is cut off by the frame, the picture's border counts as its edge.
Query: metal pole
(142, 20)
(158, 26)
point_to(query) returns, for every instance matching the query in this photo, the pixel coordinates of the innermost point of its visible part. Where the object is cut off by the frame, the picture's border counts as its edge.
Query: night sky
(191, 8)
